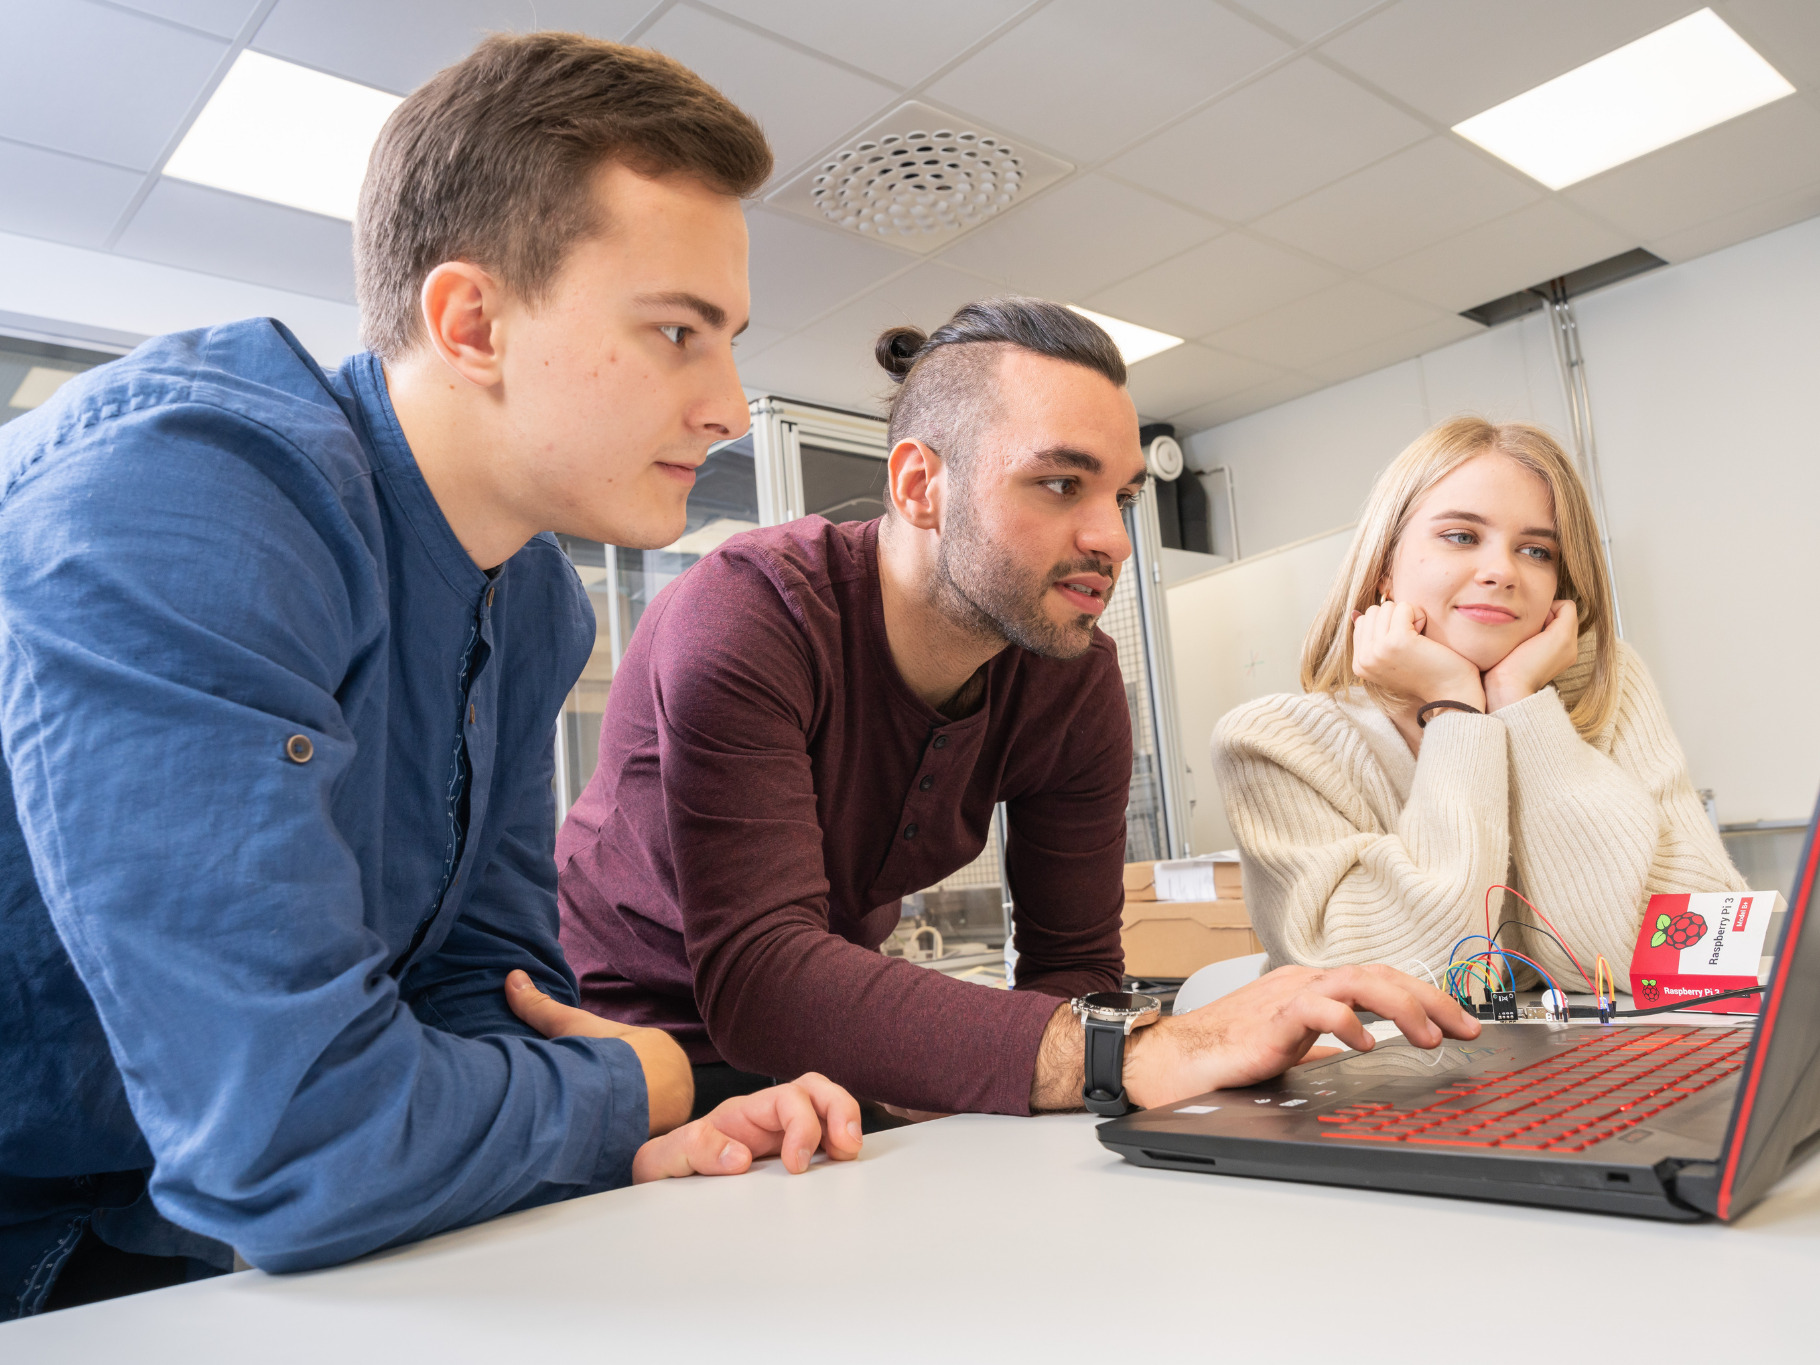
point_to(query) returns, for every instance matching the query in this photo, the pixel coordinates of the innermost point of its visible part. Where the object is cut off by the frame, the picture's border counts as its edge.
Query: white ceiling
(1273, 179)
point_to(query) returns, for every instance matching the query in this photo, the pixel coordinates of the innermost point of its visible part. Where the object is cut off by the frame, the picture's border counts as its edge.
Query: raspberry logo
(1681, 931)
(1649, 990)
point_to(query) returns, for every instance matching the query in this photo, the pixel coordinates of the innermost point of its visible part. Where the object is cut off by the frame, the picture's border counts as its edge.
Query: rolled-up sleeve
(168, 622)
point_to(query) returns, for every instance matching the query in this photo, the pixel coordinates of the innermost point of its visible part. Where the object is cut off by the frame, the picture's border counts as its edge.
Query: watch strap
(1103, 1088)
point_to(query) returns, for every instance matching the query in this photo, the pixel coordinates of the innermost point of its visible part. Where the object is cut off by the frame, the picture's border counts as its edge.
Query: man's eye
(1061, 487)
(1127, 500)
(676, 334)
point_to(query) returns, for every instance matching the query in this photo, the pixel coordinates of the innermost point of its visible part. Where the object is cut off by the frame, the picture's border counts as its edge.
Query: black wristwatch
(1108, 1018)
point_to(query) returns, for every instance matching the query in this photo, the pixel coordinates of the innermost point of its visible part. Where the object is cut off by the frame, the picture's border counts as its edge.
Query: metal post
(1147, 569)
(1571, 361)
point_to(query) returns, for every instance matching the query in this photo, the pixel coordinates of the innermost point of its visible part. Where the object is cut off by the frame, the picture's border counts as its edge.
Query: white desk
(970, 1239)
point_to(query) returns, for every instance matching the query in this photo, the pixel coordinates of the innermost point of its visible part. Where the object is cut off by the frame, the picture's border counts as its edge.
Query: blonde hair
(1431, 457)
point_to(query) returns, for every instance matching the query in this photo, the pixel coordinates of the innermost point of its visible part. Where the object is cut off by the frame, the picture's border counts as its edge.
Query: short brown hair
(946, 390)
(490, 161)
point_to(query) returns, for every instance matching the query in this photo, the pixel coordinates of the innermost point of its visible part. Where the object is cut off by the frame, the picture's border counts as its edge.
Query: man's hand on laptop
(1263, 1029)
(789, 1120)
(1256, 1032)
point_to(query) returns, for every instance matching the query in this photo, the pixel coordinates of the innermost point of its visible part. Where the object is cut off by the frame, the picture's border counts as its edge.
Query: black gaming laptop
(1663, 1119)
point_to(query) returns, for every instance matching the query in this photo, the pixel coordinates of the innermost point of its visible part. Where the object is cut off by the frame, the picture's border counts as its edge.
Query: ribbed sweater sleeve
(1598, 827)
(1334, 871)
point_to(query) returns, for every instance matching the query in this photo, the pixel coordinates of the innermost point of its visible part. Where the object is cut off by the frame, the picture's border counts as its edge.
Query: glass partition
(31, 371)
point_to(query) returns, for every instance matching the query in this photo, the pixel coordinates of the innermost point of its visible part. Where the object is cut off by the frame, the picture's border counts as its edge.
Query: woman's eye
(1460, 537)
(1539, 552)
(675, 334)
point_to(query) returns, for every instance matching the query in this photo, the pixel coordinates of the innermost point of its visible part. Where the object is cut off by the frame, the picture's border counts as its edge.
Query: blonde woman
(1468, 718)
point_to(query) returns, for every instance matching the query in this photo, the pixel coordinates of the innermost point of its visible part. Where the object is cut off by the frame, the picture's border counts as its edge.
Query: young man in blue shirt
(280, 657)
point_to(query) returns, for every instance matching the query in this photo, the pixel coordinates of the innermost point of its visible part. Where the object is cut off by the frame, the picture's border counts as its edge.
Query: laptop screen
(1778, 1103)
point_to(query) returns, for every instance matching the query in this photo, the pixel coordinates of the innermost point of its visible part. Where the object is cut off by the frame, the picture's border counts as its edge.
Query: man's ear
(913, 479)
(461, 306)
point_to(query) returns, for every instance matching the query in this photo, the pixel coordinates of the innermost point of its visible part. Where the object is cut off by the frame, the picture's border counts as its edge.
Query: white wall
(1703, 379)
(95, 289)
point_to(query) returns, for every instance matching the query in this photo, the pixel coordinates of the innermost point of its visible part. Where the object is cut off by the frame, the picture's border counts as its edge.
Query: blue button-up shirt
(268, 971)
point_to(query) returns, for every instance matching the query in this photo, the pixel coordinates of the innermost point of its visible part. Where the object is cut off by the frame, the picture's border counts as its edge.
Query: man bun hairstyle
(491, 161)
(946, 392)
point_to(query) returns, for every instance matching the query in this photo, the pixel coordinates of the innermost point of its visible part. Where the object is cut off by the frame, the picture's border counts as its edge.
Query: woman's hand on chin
(1390, 650)
(1538, 661)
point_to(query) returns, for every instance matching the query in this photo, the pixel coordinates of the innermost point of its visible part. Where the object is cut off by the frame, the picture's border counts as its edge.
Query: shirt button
(909, 831)
(299, 749)
(470, 713)
(489, 597)
(941, 742)
(925, 784)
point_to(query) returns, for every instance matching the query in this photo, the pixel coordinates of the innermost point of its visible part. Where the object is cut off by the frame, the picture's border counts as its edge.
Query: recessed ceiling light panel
(278, 131)
(917, 179)
(1667, 85)
(1135, 343)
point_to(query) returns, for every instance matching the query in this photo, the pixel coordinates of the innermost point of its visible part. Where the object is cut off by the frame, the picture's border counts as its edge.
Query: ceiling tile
(398, 46)
(1242, 404)
(799, 270)
(1763, 155)
(1304, 19)
(1455, 58)
(1413, 199)
(1075, 238)
(1275, 140)
(754, 340)
(1786, 32)
(831, 360)
(803, 102)
(1225, 281)
(1738, 226)
(1498, 258)
(61, 198)
(1084, 77)
(1186, 376)
(1375, 355)
(220, 17)
(243, 239)
(1344, 318)
(100, 83)
(914, 41)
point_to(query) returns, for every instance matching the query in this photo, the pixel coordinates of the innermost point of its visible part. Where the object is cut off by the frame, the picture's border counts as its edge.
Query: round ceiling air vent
(917, 178)
(920, 181)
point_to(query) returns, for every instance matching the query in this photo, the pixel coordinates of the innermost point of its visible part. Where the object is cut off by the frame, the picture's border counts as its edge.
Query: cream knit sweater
(1355, 850)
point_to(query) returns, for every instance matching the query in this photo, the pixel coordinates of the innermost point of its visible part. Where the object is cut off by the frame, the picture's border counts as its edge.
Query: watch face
(1121, 1000)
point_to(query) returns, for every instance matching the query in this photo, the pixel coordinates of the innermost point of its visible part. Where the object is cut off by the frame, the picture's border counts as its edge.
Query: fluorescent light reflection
(278, 131)
(1666, 86)
(1135, 343)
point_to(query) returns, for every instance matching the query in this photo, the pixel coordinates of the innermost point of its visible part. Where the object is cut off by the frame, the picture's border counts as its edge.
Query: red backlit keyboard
(1590, 1091)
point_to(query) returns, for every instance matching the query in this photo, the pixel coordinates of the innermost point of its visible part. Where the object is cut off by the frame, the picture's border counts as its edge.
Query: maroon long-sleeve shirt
(769, 788)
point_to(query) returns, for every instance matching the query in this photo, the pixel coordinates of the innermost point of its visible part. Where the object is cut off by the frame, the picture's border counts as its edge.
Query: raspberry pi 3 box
(1692, 946)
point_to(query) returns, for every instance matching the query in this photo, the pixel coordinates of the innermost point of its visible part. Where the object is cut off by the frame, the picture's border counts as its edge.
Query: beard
(983, 590)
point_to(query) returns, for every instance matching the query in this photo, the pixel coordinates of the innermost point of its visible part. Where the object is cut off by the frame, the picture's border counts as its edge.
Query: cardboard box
(1691, 946)
(1169, 939)
(1212, 879)
(1140, 881)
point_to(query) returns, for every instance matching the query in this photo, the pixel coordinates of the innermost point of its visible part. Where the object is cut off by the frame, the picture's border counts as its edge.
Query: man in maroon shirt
(817, 720)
